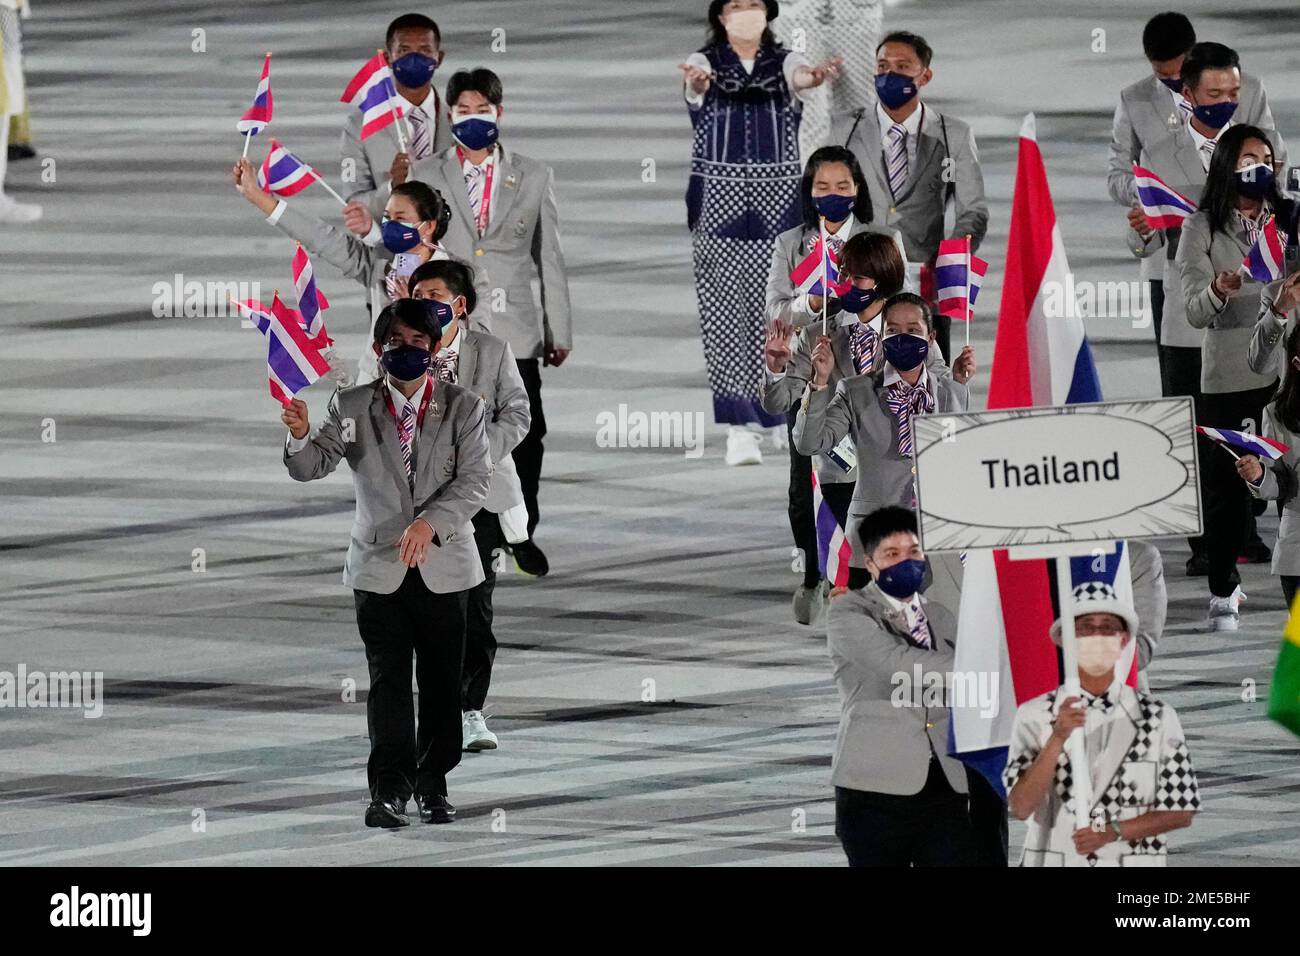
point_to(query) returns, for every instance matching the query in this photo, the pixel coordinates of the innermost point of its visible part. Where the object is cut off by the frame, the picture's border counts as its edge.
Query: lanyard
(424, 403)
(481, 220)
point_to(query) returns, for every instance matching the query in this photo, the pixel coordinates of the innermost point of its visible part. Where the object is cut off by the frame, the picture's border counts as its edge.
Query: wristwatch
(1114, 825)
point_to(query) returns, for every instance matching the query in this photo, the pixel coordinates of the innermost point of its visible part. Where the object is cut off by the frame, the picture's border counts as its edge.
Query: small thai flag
(293, 360)
(1265, 260)
(311, 301)
(373, 92)
(807, 275)
(1164, 207)
(258, 115)
(952, 278)
(833, 549)
(1255, 444)
(284, 174)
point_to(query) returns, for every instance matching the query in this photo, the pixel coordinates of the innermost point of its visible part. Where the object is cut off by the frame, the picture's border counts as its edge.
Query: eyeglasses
(1103, 630)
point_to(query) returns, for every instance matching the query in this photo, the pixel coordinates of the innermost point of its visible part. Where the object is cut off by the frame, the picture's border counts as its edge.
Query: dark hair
(915, 41)
(1207, 56)
(1219, 198)
(717, 35)
(478, 80)
(1167, 35)
(874, 255)
(412, 313)
(456, 275)
(1287, 400)
(882, 523)
(412, 21)
(908, 298)
(834, 154)
(429, 204)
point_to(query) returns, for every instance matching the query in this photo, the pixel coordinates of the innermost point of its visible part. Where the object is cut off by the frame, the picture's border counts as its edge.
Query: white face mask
(1097, 655)
(746, 25)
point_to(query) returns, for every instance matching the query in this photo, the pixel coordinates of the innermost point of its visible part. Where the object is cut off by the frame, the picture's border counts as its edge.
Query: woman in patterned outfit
(742, 92)
(1142, 781)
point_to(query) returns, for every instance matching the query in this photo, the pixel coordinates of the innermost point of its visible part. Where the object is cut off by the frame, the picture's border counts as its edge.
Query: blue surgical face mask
(834, 207)
(904, 351)
(406, 363)
(1176, 84)
(476, 130)
(895, 89)
(414, 70)
(1255, 182)
(399, 236)
(903, 579)
(1215, 115)
(857, 300)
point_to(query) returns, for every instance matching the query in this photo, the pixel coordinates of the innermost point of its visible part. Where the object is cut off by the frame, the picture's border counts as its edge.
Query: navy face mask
(406, 363)
(856, 300)
(834, 207)
(1215, 115)
(399, 236)
(905, 352)
(1176, 84)
(903, 579)
(477, 131)
(895, 89)
(1255, 182)
(414, 70)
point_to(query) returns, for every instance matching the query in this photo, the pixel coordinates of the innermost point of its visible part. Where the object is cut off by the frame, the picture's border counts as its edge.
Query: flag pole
(397, 120)
(970, 312)
(826, 277)
(248, 135)
(1075, 747)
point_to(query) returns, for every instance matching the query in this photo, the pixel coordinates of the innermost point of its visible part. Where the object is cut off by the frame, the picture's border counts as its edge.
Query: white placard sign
(1070, 473)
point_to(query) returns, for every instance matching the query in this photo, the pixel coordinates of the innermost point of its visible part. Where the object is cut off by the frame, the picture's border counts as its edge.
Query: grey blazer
(486, 367)
(1156, 254)
(452, 470)
(373, 158)
(1228, 326)
(882, 747)
(1280, 484)
(918, 212)
(522, 242)
(1150, 597)
(1271, 332)
(858, 408)
(789, 249)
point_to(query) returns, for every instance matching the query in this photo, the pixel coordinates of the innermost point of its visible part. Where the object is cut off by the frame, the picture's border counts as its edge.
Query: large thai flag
(833, 549)
(1265, 260)
(1006, 606)
(284, 174)
(1164, 206)
(311, 301)
(956, 271)
(808, 275)
(258, 115)
(373, 92)
(1247, 442)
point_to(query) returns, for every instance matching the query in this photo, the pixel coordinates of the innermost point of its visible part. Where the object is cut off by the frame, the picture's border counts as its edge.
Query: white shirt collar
(912, 124)
(400, 401)
(1200, 140)
(454, 346)
(466, 165)
(892, 376)
(430, 104)
(846, 229)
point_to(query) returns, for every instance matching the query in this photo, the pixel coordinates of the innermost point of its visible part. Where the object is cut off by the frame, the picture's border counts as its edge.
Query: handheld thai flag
(833, 549)
(1164, 207)
(284, 174)
(255, 314)
(373, 92)
(1265, 260)
(311, 301)
(293, 361)
(807, 276)
(257, 116)
(954, 278)
(1248, 442)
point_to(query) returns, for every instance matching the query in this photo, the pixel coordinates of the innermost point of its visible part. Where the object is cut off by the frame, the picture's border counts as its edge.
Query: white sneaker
(742, 447)
(1223, 615)
(475, 735)
(18, 212)
(780, 438)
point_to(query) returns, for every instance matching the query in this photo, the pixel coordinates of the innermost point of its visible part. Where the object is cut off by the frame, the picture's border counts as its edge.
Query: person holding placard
(1143, 784)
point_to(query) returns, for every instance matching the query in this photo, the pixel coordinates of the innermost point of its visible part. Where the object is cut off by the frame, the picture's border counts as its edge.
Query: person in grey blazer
(377, 163)
(421, 465)
(876, 410)
(917, 160)
(1278, 480)
(1239, 198)
(510, 239)
(484, 364)
(900, 800)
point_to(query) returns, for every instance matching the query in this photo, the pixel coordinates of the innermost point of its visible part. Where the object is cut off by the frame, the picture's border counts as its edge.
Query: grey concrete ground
(225, 738)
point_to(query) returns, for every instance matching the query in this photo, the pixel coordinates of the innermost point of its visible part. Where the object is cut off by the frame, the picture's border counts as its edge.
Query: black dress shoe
(529, 558)
(1255, 552)
(387, 812)
(18, 151)
(1198, 566)
(434, 808)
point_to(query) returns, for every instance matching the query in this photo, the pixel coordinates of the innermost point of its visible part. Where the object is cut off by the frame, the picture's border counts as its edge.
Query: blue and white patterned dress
(743, 192)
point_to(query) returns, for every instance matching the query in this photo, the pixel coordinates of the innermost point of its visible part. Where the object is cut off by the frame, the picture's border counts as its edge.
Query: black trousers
(407, 758)
(943, 333)
(1229, 517)
(930, 828)
(988, 817)
(1180, 374)
(480, 642)
(528, 453)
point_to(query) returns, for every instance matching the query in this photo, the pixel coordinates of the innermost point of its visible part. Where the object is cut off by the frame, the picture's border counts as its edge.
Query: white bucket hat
(1097, 597)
